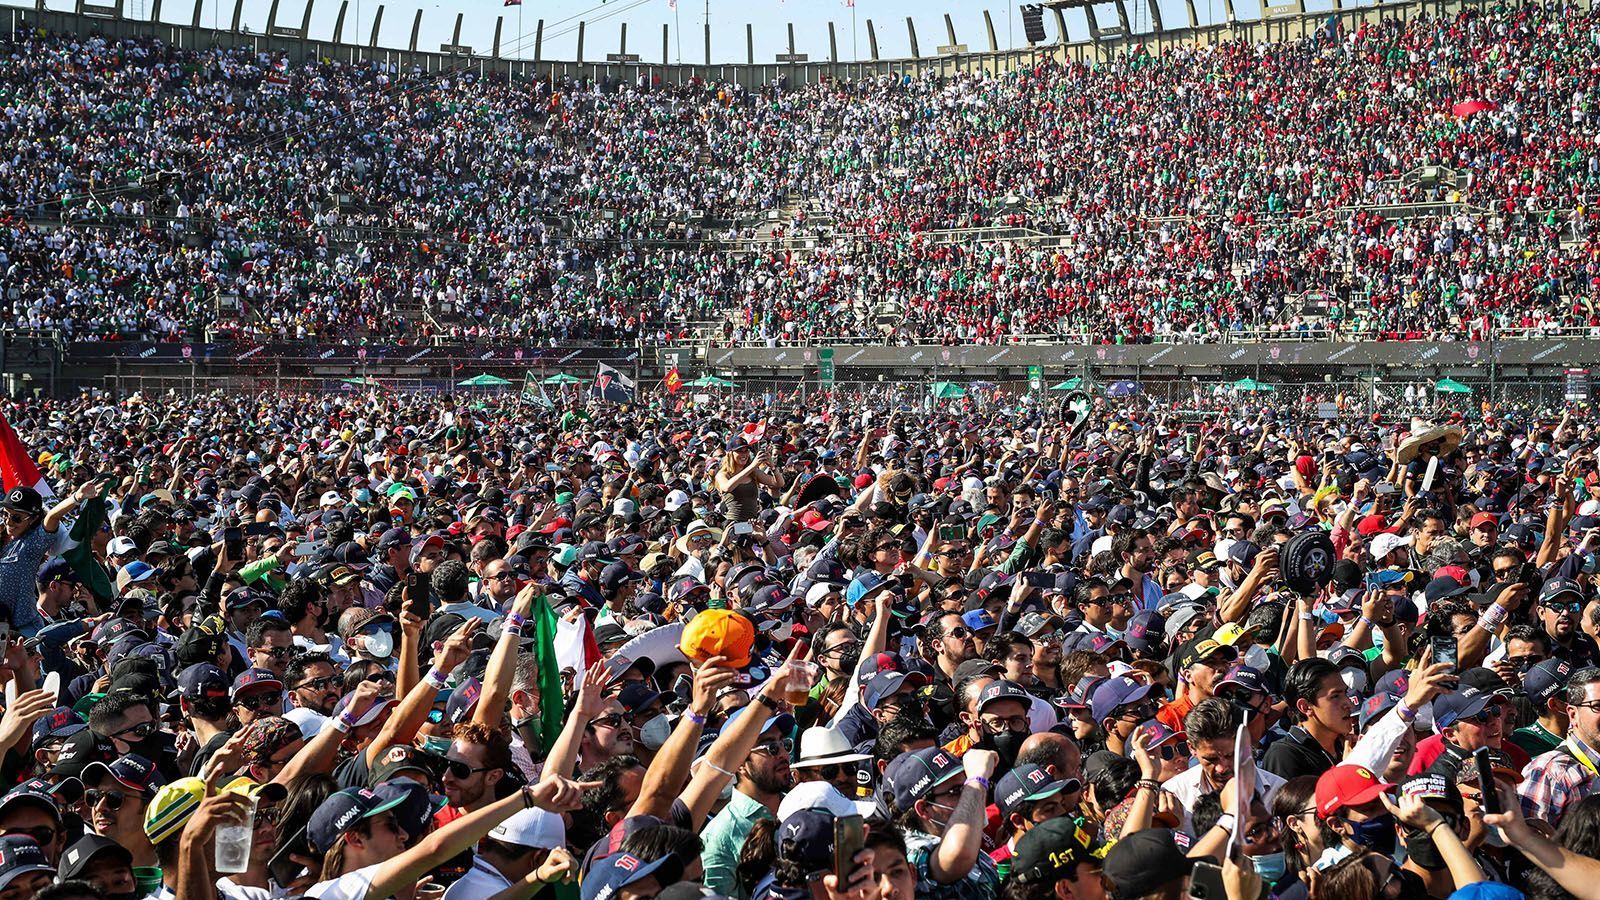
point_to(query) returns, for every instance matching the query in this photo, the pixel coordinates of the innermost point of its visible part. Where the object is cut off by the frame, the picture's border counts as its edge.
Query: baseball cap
(538, 828)
(1202, 647)
(718, 632)
(60, 722)
(610, 874)
(266, 679)
(911, 776)
(20, 854)
(131, 770)
(1145, 860)
(1342, 787)
(76, 859)
(203, 680)
(341, 811)
(1385, 543)
(1050, 849)
(171, 808)
(1559, 587)
(1457, 705)
(884, 685)
(1025, 784)
(805, 840)
(1004, 690)
(1115, 692)
(1546, 679)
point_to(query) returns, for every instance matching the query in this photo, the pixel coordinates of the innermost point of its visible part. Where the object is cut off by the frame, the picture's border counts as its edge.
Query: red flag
(674, 381)
(16, 467)
(1466, 108)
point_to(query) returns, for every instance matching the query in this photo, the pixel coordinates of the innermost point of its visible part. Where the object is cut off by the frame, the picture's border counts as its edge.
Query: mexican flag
(17, 468)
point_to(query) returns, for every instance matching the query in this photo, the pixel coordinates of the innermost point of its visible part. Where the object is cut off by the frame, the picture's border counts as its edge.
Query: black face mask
(1375, 834)
(1421, 850)
(1008, 744)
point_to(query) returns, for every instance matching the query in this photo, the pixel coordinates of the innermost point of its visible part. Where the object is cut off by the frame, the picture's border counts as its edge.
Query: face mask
(436, 745)
(1421, 850)
(1375, 834)
(1355, 681)
(1270, 866)
(1257, 658)
(379, 645)
(655, 732)
(1008, 744)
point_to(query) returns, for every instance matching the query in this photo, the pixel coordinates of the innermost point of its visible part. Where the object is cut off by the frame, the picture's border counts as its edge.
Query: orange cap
(718, 632)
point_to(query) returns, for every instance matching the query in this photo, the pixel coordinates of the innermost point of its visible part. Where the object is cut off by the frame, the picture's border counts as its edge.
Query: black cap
(1145, 860)
(1050, 850)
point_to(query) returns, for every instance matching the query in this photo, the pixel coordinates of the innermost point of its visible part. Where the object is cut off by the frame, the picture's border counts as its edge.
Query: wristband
(695, 717)
(767, 701)
(1493, 617)
(435, 679)
(516, 621)
(342, 725)
(980, 781)
(1306, 617)
(1226, 822)
(1368, 622)
(718, 768)
(527, 797)
(1040, 523)
(1150, 783)
(514, 630)
(1406, 713)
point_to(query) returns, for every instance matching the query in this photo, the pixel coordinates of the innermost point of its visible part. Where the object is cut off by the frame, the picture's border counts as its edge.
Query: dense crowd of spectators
(1229, 187)
(367, 646)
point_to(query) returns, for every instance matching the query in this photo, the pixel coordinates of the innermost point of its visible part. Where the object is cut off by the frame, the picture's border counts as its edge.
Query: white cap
(821, 589)
(675, 500)
(820, 795)
(309, 721)
(1386, 543)
(332, 498)
(623, 507)
(121, 546)
(536, 828)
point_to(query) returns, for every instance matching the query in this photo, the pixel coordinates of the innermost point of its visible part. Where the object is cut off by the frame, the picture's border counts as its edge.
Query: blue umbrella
(1122, 389)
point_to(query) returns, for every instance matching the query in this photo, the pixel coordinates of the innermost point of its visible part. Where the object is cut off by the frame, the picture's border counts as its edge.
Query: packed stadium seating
(1320, 187)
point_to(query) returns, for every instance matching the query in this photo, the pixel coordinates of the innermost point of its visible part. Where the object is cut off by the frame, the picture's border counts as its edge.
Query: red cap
(1373, 524)
(1485, 518)
(1345, 786)
(863, 480)
(812, 520)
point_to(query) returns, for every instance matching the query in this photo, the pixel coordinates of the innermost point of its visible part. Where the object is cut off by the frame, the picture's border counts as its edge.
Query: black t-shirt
(206, 751)
(1295, 755)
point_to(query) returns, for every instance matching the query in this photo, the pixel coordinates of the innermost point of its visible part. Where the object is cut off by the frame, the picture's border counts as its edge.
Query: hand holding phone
(1444, 651)
(849, 837)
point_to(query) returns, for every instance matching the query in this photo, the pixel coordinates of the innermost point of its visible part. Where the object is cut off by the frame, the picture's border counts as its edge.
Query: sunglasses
(614, 720)
(1488, 714)
(774, 747)
(112, 799)
(460, 770)
(319, 684)
(256, 702)
(959, 632)
(42, 835)
(275, 652)
(137, 732)
(1573, 607)
(1175, 750)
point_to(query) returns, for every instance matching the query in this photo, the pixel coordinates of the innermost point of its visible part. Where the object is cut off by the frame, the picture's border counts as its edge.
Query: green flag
(81, 556)
(544, 648)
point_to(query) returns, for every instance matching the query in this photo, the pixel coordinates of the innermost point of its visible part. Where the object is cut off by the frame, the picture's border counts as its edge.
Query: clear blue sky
(728, 19)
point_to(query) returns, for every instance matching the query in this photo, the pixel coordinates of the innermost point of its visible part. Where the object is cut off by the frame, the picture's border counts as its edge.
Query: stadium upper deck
(1328, 184)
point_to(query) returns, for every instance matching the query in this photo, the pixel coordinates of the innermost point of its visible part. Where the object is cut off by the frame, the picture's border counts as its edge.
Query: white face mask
(379, 645)
(655, 732)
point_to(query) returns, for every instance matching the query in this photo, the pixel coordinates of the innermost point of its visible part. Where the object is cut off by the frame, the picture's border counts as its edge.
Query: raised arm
(503, 663)
(668, 772)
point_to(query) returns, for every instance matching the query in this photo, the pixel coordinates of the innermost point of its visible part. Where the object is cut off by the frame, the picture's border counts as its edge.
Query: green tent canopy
(1250, 385)
(484, 380)
(711, 381)
(948, 390)
(1451, 386)
(562, 378)
(1071, 384)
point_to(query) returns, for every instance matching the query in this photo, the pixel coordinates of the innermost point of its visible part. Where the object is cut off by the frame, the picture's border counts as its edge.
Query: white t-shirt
(349, 886)
(231, 891)
(481, 882)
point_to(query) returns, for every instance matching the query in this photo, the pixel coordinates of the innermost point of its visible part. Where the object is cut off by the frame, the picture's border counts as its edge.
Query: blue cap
(340, 813)
(463, 700)
(1004, 690)
(1025, 784)
(978, 619)
(610, 874)
(203, 680)
(1457, 705)
(805, 839)
(251, 678)
(912, 776)
(60, 722)
(56, 569)
(1115, 692)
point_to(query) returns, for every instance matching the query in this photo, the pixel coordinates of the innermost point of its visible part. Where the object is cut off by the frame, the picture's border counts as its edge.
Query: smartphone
(849, 839)
(742, 529)
(683, 688)
(1040, 580)
(1205, 881)
(952, 533)
(306, 548)
(417, 595)
(1486, 785)
(1444, 651)
(233, 539)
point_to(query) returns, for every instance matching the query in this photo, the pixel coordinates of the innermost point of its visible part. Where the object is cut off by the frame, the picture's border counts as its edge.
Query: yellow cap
(171, 808)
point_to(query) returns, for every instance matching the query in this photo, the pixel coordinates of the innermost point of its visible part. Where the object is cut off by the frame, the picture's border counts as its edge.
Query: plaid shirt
(1554, 781)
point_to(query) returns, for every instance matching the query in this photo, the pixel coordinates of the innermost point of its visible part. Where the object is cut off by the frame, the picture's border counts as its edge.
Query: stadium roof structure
(1138, 27)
